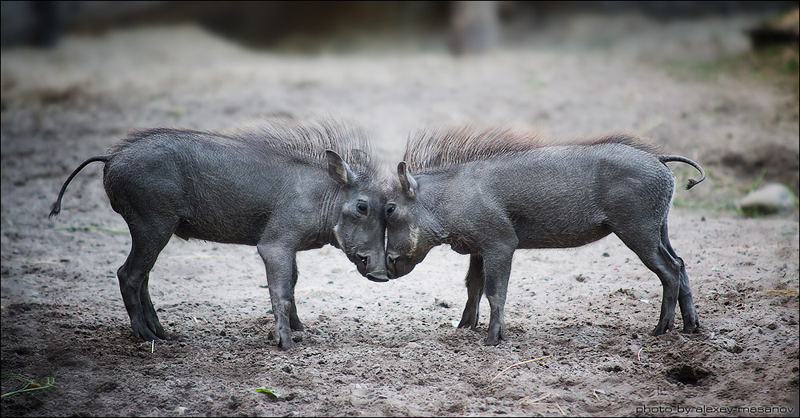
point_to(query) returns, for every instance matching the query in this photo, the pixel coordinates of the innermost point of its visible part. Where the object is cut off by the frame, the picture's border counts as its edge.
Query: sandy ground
(391, 348)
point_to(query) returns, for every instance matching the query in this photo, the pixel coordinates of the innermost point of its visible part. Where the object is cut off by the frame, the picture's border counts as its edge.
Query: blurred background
(468, 26)
(716, 81)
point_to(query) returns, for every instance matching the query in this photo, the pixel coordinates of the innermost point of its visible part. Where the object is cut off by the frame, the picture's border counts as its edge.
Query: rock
(770, 198)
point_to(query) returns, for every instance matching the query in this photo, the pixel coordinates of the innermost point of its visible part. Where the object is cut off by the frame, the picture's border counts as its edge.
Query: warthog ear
(406, 180)
(339, 170)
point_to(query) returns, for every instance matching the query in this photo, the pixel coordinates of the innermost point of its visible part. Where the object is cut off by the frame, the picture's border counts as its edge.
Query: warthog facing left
(280, 186)
(487, 193)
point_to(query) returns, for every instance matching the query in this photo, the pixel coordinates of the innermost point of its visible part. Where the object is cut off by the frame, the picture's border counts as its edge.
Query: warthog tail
(692, 182)
(56, 208)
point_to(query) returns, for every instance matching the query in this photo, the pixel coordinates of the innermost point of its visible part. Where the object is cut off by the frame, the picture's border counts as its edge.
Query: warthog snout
(398, 265)
(371, 267)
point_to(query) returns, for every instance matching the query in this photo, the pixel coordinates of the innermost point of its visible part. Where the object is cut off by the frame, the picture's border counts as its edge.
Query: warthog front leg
(280, 262)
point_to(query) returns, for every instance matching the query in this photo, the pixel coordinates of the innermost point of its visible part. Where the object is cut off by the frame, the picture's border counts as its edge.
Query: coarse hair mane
(441, 147)
(304, 142)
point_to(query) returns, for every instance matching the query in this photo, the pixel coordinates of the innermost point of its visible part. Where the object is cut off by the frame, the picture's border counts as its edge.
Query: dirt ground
(372, 349)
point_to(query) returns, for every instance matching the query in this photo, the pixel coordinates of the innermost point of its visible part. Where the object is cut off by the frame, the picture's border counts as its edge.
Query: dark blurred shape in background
(784, 29)
(42, 23)
(470, 27)
(474, 26)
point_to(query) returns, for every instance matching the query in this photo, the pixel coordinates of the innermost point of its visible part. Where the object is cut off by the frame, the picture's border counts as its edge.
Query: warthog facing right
(487, 193)
(279, 185)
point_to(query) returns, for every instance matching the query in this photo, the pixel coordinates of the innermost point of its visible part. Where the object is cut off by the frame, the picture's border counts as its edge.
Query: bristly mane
(437, 148)
(305, 142)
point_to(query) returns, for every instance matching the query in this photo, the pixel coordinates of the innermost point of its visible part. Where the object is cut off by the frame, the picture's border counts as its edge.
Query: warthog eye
(390, 209)
(362, 207)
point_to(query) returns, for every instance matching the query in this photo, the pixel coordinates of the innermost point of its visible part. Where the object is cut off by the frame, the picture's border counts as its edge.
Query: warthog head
(411, 228)
(359, 228)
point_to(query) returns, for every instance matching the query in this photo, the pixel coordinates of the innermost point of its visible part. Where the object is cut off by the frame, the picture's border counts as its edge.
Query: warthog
(278, 185)
(488, 192)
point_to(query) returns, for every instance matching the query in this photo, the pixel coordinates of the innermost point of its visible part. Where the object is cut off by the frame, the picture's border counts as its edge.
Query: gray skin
(550, 197)
(241, 189)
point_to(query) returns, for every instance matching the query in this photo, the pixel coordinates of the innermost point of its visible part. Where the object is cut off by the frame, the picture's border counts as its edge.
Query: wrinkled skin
(207, 186)
(553, 197)
(360, 226)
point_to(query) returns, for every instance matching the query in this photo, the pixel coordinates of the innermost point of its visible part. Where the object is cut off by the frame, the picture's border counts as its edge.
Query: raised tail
(692, 182)
(56, 208)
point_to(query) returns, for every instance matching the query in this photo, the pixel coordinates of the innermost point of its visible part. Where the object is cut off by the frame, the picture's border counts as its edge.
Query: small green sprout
(270, 393)
(30, 385)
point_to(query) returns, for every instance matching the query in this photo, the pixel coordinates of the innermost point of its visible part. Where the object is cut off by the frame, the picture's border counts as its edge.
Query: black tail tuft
(55, 210)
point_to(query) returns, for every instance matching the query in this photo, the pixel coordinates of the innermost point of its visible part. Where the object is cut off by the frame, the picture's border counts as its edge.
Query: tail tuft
(55, 210)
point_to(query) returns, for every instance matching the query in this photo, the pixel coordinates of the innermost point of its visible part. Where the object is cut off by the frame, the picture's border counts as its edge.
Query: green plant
(30, 385)
(269, 392)
(757, 182)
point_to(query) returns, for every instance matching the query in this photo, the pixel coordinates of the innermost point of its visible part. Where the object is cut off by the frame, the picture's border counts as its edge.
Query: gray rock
(770, 198)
